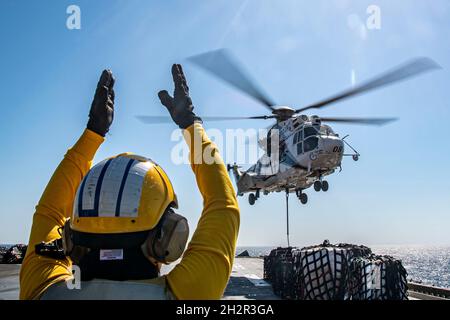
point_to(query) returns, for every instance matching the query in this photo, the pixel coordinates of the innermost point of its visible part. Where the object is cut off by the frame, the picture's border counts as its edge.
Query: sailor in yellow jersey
(117, 222)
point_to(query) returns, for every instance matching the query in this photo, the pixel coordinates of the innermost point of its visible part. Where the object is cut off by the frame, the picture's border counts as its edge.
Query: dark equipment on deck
(13, 255)
(334, 272)
(243, 254)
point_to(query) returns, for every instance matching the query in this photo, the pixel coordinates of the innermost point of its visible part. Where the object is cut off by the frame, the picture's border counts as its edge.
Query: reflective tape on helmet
(125, 186)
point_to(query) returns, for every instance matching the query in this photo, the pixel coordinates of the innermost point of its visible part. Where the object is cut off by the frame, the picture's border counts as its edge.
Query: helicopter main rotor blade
(168, 119)
(222, 65)
(362, 121)
(408, 70)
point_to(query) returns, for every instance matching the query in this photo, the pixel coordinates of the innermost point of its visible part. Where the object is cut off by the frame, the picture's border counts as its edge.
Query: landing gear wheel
(317, 186)
(251, 199)
(355, 157)
(303, 198)
(325, 186)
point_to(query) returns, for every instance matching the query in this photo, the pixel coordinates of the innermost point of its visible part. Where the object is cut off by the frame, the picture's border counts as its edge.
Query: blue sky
(300, 52)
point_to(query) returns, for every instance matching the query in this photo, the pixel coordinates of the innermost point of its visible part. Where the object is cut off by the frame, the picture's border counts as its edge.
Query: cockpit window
(311, 143)
(298, 137)
(310, 131)
(326, 130)
(299, 148)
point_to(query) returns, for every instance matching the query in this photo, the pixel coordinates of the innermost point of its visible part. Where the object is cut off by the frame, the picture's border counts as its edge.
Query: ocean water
(426, 265)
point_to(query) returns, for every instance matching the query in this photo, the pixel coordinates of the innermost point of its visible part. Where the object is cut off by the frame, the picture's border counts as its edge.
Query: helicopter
(306, 151)
(299, 150)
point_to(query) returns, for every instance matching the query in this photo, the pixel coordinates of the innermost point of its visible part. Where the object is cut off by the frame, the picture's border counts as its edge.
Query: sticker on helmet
(111, 254)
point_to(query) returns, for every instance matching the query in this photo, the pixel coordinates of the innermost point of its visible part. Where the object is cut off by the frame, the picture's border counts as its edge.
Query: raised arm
(55, 206)
(206, 266)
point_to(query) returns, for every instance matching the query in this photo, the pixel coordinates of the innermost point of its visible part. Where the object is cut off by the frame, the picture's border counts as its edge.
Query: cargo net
(378, 278)
(334, 272)
(279, 271)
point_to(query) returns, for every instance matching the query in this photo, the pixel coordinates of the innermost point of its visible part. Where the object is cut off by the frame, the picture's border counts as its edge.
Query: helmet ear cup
(166, 242)
(75, 252)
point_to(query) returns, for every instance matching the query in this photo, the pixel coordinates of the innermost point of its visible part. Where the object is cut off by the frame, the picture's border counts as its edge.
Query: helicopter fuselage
(306, 152)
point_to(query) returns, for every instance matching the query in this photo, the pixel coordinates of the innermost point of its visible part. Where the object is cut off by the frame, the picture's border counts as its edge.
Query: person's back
(91, 236)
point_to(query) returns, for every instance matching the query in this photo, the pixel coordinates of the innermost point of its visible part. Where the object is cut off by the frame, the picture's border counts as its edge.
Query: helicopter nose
(333, 145)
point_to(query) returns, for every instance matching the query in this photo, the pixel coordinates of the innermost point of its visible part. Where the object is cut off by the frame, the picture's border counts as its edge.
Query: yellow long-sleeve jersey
(207, 262)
